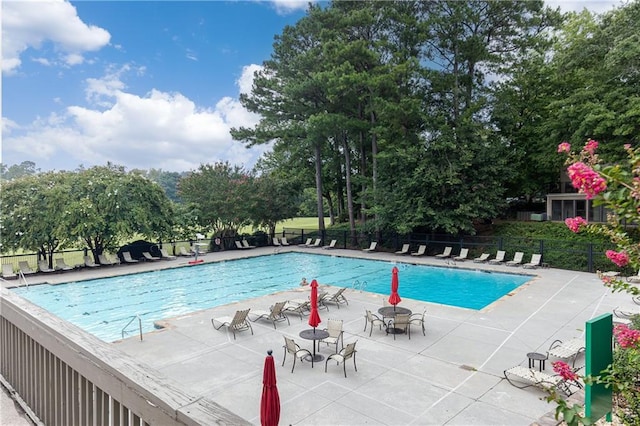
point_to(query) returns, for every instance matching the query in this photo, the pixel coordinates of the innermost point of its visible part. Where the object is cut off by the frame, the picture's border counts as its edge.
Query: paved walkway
(451, 376)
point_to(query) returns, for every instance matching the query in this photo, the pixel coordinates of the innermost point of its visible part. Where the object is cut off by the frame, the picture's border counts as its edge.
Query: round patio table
(314, 334)
(391, 312)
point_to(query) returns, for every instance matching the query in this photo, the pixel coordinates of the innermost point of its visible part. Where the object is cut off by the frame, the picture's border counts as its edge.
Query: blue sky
(143, 84)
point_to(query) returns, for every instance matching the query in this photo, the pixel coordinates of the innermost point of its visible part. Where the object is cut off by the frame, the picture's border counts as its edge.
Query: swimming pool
(104, 306)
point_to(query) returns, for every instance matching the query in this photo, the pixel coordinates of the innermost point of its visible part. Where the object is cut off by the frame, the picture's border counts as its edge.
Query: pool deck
(452, 376)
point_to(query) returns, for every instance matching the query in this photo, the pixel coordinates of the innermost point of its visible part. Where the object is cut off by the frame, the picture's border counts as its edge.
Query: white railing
(133, 318)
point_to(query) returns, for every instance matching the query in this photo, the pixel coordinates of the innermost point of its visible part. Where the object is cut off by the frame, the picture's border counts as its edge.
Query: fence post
(590, 257)
(542, 249)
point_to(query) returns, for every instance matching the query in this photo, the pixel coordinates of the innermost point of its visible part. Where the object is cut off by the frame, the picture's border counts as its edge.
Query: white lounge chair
(634, 278)
(165, 255)
(421, 250)
(7, 272)
(500, 254)
(274, 314)
(89, 263)
(463, 255)
(567, 349)
(61, 265)
(522, 377)
(517, 259)
(104, 259)
(149, 257)
(24, 268)
(239, 322)
(43, 266)
(126, 256)
(331, 245)
(246, 244)
(404, 250)
(446, 253)
(307, 243)
(535, 261)
(276, 242)
(372, 247)
(482, 258)
(183, 252)
(239, 245)
(284, 241)
(316, 243)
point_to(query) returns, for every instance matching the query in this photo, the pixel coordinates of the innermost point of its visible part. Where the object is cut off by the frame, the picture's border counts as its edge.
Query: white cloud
(29, 24)
(596, 6)
(157, 130)
(284, 7)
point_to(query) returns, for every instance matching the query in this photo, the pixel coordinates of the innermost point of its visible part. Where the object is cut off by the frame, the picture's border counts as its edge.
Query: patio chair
(482, 258)
(372, 247)
(336, 334)
(307, 243)
(517, 259)
(105, 260)
(7, 272)
(345, 353)
(522, 377)
(183, 252)
(446, 253)
(274, 314)
(536, 259)
(89, 263)
(24, 268)
(634, 278)
(43, 266)
(568, 349)
(373, 319)
(239, 245)
(300, 307)
(500, 254)
(165, 255)
(60, 265)
(246, 245)
(275, 242)
(237, 323)
(404, 250)
(147, 256)
(400, 323)
(322, 299)
(418, 319)
(284, 241)
(421, 250)
(331, 245)
(337, 298)
(317, 243)
(291, 347)
(463, 255)
(126, 256)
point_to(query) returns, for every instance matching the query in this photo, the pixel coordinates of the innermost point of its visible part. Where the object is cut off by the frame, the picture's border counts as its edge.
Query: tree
(272, 201)
(15, 171)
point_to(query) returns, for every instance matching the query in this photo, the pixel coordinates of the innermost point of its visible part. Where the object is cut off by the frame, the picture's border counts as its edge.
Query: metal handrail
(24, 279)
(124, 329)
(357, 285)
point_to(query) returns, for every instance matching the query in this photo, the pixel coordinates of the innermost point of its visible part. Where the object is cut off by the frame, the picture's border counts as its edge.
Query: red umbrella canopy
(270, 403)
(314, 317)
(394, 299)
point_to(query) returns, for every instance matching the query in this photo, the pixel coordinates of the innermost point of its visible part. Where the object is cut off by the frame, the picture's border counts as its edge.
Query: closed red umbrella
(314, 317)
(270, 403)
(394, 299)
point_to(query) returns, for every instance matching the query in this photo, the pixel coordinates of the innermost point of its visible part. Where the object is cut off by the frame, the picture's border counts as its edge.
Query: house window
(556, 210)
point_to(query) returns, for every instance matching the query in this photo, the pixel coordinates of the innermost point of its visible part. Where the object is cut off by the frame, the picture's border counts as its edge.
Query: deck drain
(468, 367)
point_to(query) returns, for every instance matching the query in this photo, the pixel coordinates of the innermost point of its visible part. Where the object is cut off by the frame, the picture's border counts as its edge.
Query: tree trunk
(347, 166)
(318, 152)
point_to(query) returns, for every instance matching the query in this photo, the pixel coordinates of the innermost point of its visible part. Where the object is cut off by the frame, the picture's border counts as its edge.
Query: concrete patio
(451, 376)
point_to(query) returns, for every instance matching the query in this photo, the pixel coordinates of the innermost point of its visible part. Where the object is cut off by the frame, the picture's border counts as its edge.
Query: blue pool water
(104, 306)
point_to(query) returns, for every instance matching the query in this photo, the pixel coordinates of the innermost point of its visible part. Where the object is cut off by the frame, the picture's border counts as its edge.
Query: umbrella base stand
(392, 330)
(316, 358)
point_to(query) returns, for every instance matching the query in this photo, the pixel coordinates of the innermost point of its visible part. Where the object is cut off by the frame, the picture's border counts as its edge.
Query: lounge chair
(334, 327)
(291, 347)
(421, 250)
(24, 268)
(522, 377)
(147, 256)
(165, 255)
(274, 314)
(246, 244)
(284, 241)
(89, 263)
(634, 278)
(239, 322)
(105, 260)
(482, 258)
(373, 319)
(126, 256)
(567, 349)
(61, 265)
(331, 245)
(400, 323)
(372, 247)
(404, 250)
(337, 298)
(276, 242)
(307, 243)
(183, 252)
(317, 243)
(43, 266)
(463, 255)
(300, 307)
(446, 253)
(7, 272)
(500, 254)
(517, 259)
(535, 261)
(239, 245)
(341, 357)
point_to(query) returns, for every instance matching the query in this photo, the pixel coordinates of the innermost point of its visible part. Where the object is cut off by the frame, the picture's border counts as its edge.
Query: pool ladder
(357, 285)
(124, 329)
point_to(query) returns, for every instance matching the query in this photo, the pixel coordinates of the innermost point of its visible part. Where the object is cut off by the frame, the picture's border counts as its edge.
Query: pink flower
(626, 337)
(564, 147)
(586, 179)
(564, 370)
(591, 146)
(620, 259)
(575, 223)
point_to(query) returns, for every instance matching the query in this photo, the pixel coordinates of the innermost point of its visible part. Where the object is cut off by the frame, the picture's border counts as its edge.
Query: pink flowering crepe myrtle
(619, 258)
(575, 223)
(564, 370)
(626, 337)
